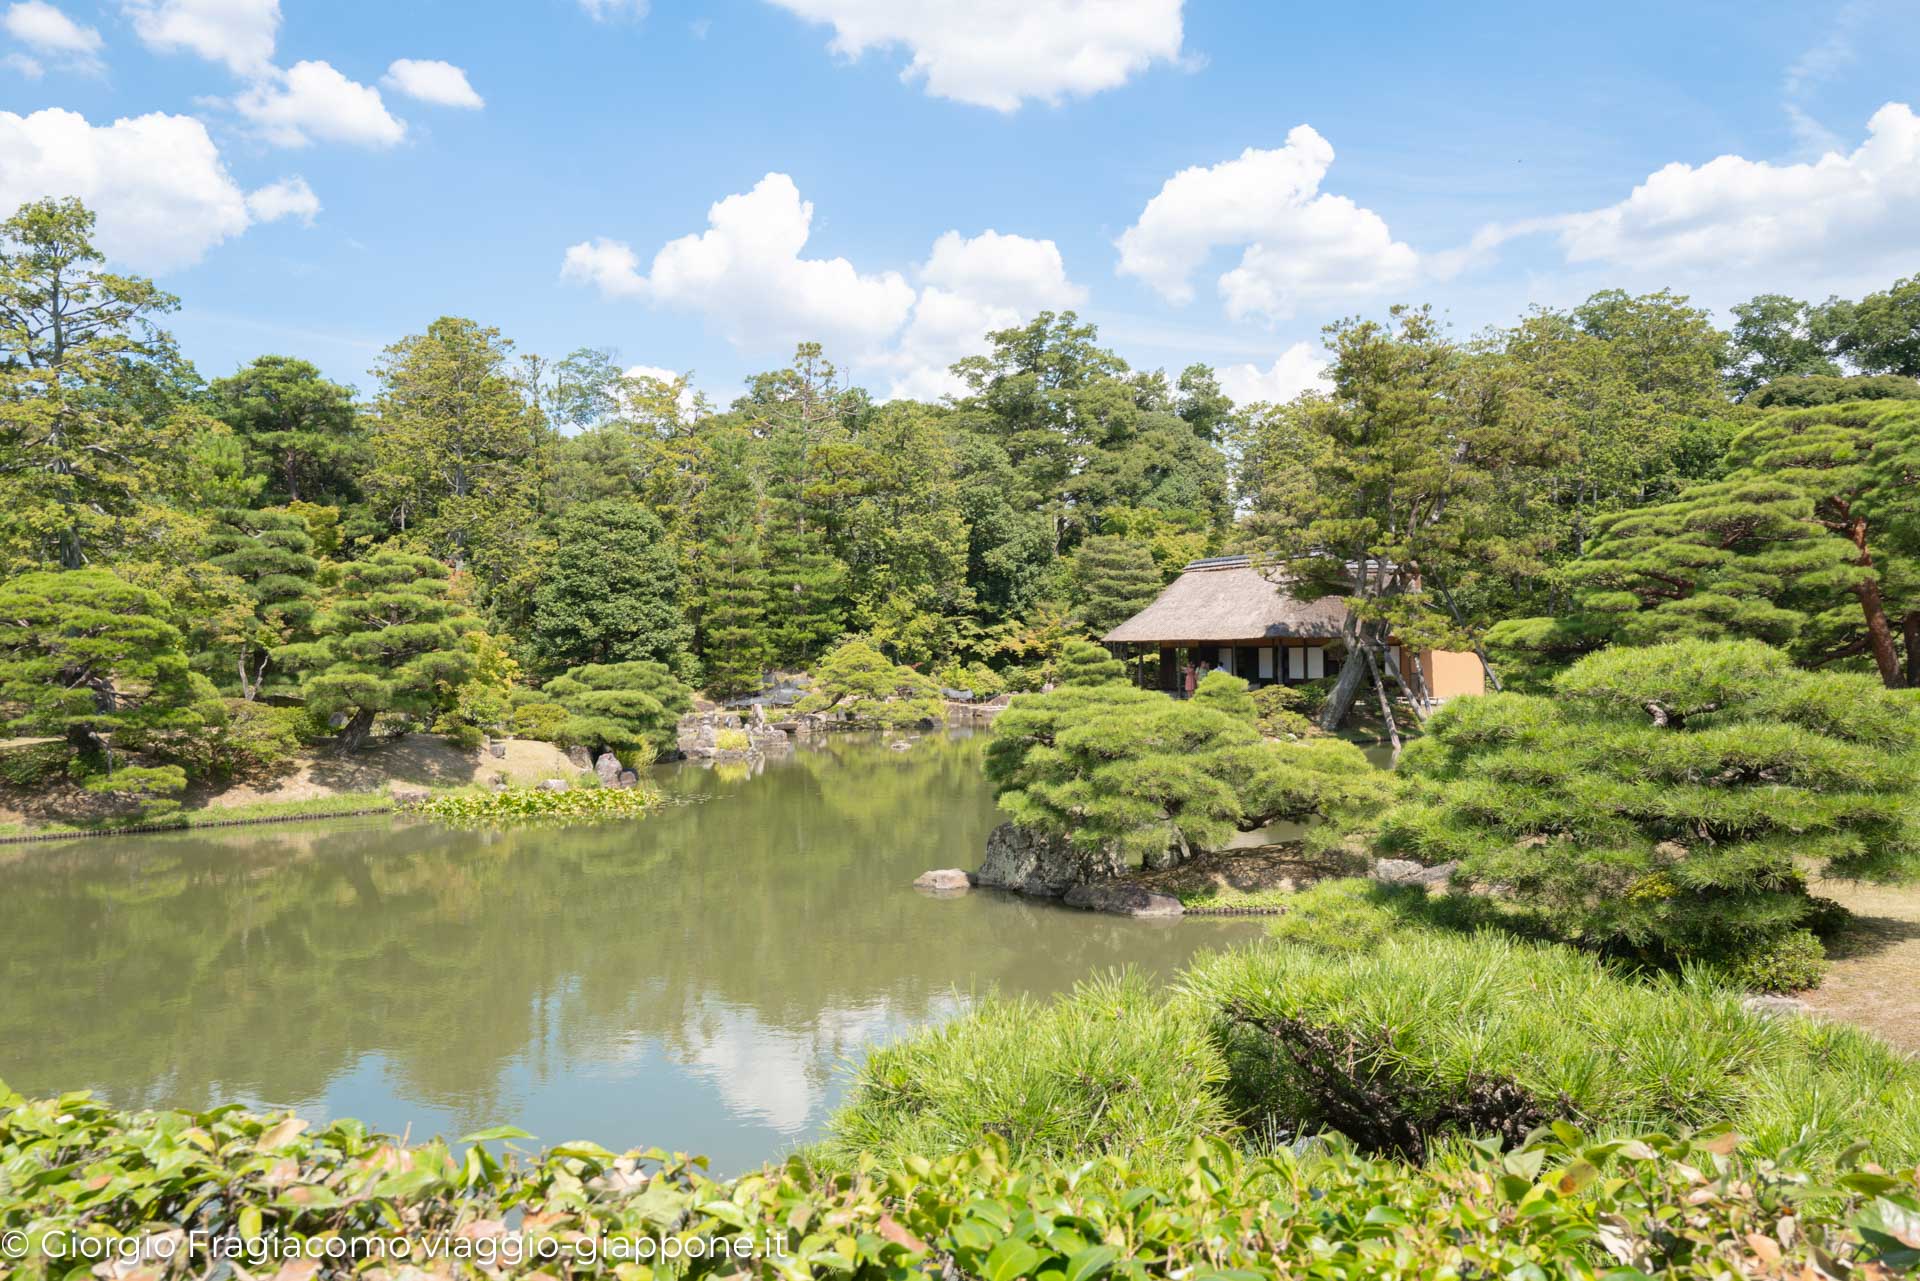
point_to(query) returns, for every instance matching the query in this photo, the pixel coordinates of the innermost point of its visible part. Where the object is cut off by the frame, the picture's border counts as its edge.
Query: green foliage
(1114, 578)
(93, 435)
(33, 763)
(857, 678)
(1228, 694)
(270, 553)
(732, 740)
(391, 641)
(250, 740)
(1792, 961)
(1880, 334)
(542, 721)
(152, 791)
(1110, 1068)
(1431, 1034)
(1813, 391)
(482, 704)
(1561, 1206)
(1136, 774)
(1083, 663)
(88, 657)
(1279, 710)
(1670, 799)
(730, 581)
(620, 707)
(610, 593)
(532, 804)
(300, 431)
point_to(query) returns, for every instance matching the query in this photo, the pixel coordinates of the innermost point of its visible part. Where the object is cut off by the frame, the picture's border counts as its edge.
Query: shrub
(542, 722)
(1228, 694)
(34, 763)
(1789, 962)
(1561, 1206)
(859, 679)
(1428, 1034)
(258, 740)
(732, 740)
(1084, 663)
(1127, 770)
(523, 804)
(1110, 1068)
(618, 706)
(1276, 710)
(1667, 801)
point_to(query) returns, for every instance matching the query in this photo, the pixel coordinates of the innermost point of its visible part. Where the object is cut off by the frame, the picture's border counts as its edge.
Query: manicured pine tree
(620, 707)
(269, 552)
(389, 642)
(731, 586)
(1113, 578)
(1085, 663)
(856, 677)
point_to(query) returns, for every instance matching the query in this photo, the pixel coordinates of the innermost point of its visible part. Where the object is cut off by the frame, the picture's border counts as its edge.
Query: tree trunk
(1346, 688)
(354, 733)
(1386, 706)
(1913, 649)
(1879, 634)
(1417, 703)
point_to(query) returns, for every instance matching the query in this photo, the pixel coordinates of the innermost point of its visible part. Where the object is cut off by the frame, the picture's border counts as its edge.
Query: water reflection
(693, 980)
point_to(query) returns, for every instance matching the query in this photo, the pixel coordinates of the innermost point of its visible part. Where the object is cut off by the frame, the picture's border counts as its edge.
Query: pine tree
(1085, 663)
(270, 553)
(610, 593)
(731, 586)
(302, 430)
(857, 678)
(1113, 579)
(620, 707)
(389, 642)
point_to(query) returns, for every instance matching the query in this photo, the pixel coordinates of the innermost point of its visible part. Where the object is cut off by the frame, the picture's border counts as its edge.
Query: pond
(697, 980)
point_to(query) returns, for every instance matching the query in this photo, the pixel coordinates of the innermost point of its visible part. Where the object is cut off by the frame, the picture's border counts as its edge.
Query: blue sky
(1206, 180)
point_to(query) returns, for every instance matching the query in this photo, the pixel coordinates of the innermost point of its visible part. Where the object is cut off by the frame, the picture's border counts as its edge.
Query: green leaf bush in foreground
(1564, 1206)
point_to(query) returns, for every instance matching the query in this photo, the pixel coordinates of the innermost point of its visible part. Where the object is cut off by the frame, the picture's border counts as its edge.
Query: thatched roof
(1226, 599)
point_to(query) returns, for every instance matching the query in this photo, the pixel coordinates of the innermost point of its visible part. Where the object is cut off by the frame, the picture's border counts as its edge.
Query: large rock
(1776, 1006)
(553, 785)
(1123, 898)
(944, 880)
(579, 757)
(608, 768)
(1402, 871)
(1032, 863)
(405, 796)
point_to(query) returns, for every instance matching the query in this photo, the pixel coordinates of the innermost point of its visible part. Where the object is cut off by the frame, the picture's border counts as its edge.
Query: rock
(553, 785)
(768, 741)
(944, 880)
(579, 758)
(900, 745)
(497, 748)
(1031, 863)
(759, 714)
(1776, 1006)
(1402, 871)
(1123, 898)
(608, 768)
(405, 796)
(627, 778)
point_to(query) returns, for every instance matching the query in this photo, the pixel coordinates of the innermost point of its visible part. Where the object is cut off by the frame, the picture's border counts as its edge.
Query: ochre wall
(1451, 674)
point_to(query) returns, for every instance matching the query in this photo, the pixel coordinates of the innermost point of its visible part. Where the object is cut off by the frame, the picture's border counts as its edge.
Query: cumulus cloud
(1297, 243)
(54, 36)
(157, 182)
(288, 198)
(428, 80)
(1847, 211)
(747, 275)
(239, 33)
(1299, 368)
(998, 53)
(970, 287)
(313, 102)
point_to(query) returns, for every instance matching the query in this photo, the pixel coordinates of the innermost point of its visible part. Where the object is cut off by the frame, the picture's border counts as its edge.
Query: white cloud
(440, 83)
(1299, 368)
(313, 102)
(28, 68)
(1297, 242)
(240, 33)
(288, 198)
(1849, 212)
(601, 10)
(997, 53)
(970, 287)
(746, 274)
(157, 183)
(53, 35)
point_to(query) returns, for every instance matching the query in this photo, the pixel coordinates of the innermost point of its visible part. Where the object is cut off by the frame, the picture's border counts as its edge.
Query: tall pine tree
(731, 585)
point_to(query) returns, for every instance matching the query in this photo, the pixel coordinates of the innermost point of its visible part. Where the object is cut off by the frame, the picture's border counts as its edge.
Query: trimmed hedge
(80, 1178)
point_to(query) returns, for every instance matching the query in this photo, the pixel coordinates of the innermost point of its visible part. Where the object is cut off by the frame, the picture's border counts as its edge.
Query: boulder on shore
(554, 785)
(579, 757)
(944, 880)
(1029, 862)
(608, 768)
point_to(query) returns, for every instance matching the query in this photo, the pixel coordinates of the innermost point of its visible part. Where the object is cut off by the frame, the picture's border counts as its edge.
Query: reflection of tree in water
(757, 935)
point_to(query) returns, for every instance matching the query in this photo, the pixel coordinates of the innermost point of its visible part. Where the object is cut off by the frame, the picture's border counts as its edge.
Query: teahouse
(1228, 614)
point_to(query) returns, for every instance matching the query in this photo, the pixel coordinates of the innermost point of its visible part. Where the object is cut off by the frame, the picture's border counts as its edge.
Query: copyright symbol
(13, 1245)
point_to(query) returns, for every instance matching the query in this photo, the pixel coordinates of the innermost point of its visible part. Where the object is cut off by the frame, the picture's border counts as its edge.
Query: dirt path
(1875, 977)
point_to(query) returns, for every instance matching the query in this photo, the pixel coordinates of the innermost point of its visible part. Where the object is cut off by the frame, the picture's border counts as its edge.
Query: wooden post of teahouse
(1386, 708)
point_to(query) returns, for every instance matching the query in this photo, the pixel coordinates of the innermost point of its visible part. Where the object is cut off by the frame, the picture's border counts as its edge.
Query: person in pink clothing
(1190, 680)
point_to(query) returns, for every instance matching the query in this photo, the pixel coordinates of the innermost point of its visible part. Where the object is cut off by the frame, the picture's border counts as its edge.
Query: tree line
(188, 556)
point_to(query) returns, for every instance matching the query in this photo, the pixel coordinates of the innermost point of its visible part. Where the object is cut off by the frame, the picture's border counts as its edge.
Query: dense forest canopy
(1609, 473)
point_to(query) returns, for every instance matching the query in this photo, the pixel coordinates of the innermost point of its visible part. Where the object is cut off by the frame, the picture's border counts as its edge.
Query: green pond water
(699, 979)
